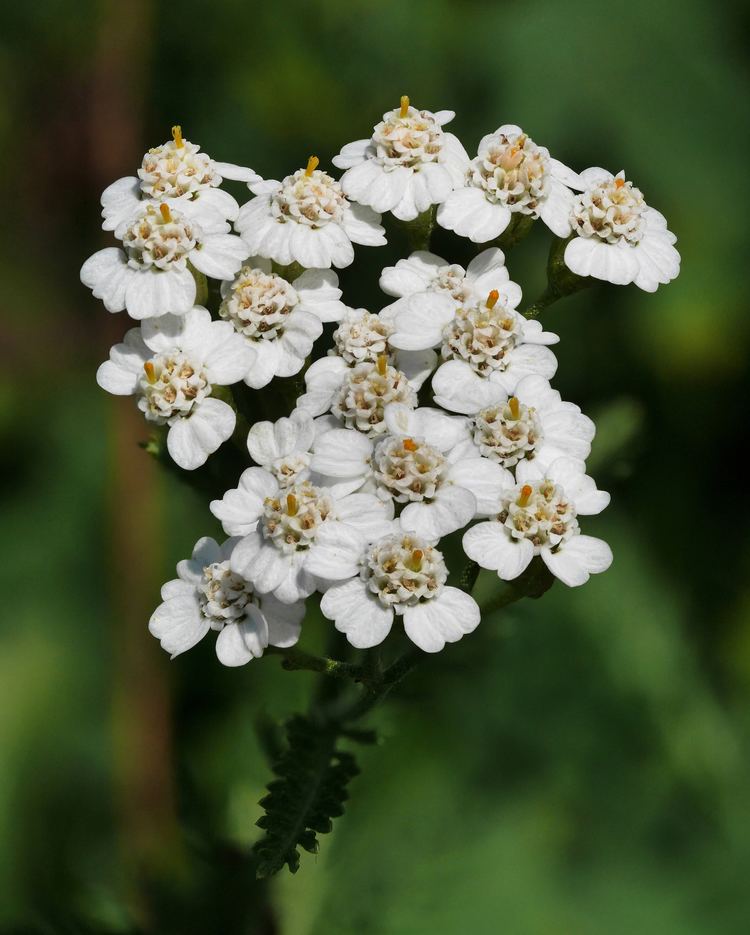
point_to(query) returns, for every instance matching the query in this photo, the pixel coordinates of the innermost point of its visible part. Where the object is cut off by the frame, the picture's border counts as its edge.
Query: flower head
(510, 175)
(208, 595)
(538, 515)
(618, 237)
(401, 574)
(307, 219)
(409, 164)
(172, 366)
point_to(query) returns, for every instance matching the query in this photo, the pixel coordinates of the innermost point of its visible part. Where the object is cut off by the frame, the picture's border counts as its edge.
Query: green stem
(295, 660)
(520, 225)
(419, 231)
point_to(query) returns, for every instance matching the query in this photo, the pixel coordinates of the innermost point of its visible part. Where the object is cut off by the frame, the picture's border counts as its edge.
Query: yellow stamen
(177, 136)
(166, 214)
(150, 371)
(416, 559)
(410, 444)
(526, 492)
(492, 298)
(404, 112)
(515, 408)
(312, 165)
(382, 364)
(619, 183)
(291, 504)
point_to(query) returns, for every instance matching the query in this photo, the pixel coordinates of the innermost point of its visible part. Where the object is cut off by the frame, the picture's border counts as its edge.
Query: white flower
(174, 172)
(208, 595)
(537, 516)
(151, 275)
(426, 272)
(298, 538)
(427, 462)
(284, 447)
(487, 347)
(619, 238)
(172, 365)
(401, 574)
(358, 395)
(510, 174)
(408, 165)
(535, 424)
(280, 320)
(307, 219)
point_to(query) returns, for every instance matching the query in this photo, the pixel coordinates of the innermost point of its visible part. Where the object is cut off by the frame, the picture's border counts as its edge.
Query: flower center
(540, 513)
(507, 433)
(407, 137)
(361, 337)
(612, 211)
(451, 279)
(409, 469)
(258, 304)
(160, 238)
(310, 197)
(513, 171)
(170, 386)
(223, 594)
(176, 168)
(483, 335)
(367, 389)
(288, 469)
(291, 520)
(403, 570)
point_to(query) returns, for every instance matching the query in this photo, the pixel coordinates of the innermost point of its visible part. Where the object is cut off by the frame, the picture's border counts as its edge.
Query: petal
(336, 553)
(178, 624)
(240, 508)
(577, 559)
(227, 170)
(155, 292)
(452, 508)
(357, 613)
(459, 389)
(342, 453)
(485, 479)
(490, 546)
(420, 325)
(371, 517)
(240, 642)
(443, 619)
(557, 208)
(362, 226)
(107, 274)
(351, 154)
(411, 275)
(191, 440)
(265, 364)
(437, 428)
(220, 256)
(284, 621)
(467, 212)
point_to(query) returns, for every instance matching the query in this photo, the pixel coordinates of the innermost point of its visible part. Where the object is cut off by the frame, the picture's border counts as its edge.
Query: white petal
(240, 508)
(155, 292)
(319, 294)
(261, 563)
(342, 453)
(357, 613)
(240, 642)
(220, 256)
(297, 584)
(229, 357)
(485, 479)
(577, 559)
(323, 380)
(120, 201)
(420, 325)
(336, 552)
(458, 388)
(437, 428)
(452, 508)
(467, 212)
(351, 154)
(178, 624)
(120, 374)
(228, 170)
(284, 621)
(264, 365)
(490, 546)
(371, 517)
(589, 256)
(556, 209)
(206, 551)
(444, 619)
(362, 226)
(411, 275)
(107, 274)
(191, 440)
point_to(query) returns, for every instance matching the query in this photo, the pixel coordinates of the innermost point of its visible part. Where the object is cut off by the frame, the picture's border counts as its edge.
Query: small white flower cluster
(420, 420)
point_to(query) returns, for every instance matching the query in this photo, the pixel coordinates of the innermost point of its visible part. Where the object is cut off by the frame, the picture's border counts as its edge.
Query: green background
(579, 764)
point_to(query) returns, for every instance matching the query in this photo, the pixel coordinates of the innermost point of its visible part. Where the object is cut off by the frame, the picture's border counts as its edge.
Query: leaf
(308, 793)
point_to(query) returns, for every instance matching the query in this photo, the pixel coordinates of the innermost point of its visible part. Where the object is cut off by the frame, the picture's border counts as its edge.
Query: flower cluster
(429, 418)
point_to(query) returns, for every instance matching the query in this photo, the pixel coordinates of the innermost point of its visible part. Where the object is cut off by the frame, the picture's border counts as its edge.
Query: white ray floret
(307, 219)
(408, 165)
(299, 537)
(534, 424)
(175, 172)
(426, 272)
(618, 237)
(537, 515)
(401, 575)
(151, 275)
(510, 175)
(284, 448)
(280, 320)
(208, 595)
(172, 365)
(427, 462)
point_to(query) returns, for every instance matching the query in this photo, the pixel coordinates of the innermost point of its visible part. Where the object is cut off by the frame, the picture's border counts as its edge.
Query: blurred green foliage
(577, 766)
